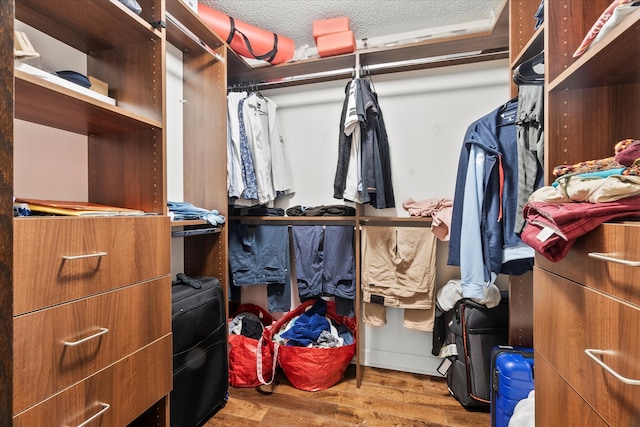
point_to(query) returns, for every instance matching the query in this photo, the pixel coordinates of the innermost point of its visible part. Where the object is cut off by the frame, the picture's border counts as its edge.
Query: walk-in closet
(295, 214)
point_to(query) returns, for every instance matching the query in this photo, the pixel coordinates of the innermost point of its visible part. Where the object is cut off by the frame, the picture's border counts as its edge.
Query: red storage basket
(314, 369)
(251, 361)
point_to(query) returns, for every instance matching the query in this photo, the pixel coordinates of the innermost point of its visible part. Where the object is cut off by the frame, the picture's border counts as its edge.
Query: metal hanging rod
(360, 69)
(193, 37)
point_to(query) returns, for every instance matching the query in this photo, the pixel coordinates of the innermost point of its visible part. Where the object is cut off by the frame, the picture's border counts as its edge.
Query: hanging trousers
(398, 270)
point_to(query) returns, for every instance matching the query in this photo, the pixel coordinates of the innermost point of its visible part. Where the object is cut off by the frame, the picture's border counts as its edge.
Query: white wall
(50, 163)
(426, 114)
(174, 130)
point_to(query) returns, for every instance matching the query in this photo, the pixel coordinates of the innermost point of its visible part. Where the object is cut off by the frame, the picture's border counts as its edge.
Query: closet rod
(187, 32)
(319, 76)
(380, 68)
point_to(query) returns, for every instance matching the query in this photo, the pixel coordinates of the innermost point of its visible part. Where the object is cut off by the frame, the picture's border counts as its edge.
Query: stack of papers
(60, 207)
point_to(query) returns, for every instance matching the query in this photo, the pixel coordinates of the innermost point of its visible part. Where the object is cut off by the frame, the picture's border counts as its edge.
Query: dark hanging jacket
(376, 164)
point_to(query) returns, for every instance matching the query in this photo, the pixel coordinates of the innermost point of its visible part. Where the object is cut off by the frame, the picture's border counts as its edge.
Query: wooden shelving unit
(205, 62)
(67, 270)
(591, 103)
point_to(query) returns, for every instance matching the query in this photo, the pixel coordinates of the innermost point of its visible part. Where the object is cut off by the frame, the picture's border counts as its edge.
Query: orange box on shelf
(324, 27)
(336, 44)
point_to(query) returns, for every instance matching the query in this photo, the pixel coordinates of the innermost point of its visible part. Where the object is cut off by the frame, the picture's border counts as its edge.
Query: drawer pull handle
(592, 354)
(102, 331)
(105, 407)
(71, 257)
(605, 257)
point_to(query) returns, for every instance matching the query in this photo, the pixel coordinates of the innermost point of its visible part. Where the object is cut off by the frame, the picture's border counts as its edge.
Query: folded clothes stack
(187, 211)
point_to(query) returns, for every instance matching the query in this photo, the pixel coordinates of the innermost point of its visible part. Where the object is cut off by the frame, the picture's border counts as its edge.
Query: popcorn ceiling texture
(368, 18)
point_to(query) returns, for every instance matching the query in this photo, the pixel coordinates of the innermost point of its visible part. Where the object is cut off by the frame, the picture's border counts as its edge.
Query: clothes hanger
(530, 71)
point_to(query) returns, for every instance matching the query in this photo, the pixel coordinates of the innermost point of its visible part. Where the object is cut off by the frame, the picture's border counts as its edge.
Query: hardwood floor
(385, 398)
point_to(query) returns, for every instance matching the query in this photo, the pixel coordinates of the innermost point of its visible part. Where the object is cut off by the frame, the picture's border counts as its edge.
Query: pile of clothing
(313, 329)
(246, 324)
(584, 195)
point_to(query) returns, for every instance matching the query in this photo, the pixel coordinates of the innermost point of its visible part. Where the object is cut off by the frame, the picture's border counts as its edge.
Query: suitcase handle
(592, 352)
(186, 280)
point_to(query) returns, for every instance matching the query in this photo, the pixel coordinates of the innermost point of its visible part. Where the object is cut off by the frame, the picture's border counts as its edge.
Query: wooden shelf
(532, 48)
(600, 65)
(396, 222)
(494, 43)
(444, 51)
(88, 25)
(189, 19)
(193, 23)
(46, 103)
(335, 220)
(187, 223)
(296, 220)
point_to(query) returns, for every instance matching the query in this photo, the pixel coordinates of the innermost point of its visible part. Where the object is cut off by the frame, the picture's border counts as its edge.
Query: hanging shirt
(235, 183)
(247, 157)
(375, 166)
(353, 184)
(273, 174)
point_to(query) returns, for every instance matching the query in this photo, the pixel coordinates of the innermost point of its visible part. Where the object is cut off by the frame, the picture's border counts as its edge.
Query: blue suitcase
(511, 381)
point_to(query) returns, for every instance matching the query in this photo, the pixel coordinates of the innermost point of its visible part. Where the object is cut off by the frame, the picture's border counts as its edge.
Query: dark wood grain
(6, 212)
(89, 26)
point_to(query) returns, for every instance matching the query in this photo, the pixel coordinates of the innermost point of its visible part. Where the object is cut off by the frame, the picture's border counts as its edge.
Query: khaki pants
(398, 270)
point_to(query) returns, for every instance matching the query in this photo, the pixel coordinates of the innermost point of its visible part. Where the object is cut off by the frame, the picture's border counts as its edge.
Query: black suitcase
(475, 330)
(200, 364)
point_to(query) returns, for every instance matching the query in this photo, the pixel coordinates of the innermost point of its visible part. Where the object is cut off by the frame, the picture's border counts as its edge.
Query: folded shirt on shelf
(187, 211)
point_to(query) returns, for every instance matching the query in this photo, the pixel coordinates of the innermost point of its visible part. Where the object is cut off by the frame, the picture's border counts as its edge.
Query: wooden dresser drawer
(619, 241)
(120, 393)
(557, 404)
(59, 346)
(569, 318)
(58, 259)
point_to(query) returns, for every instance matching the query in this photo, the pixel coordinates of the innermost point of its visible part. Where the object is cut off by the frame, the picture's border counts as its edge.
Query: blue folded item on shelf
(187, 211)
(75, 77)
(133, 5)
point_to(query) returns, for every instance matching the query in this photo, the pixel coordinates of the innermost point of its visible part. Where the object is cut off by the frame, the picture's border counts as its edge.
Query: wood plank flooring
(385, 398)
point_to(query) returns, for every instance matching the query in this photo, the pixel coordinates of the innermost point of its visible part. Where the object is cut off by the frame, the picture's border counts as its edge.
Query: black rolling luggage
(200, 367)
(475, 330)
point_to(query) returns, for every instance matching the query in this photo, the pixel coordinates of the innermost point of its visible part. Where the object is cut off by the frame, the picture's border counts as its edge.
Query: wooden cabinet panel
(557, 404)
(570, 318)
(128, 387)
(620, 241)
(120, 250)
(91, 296)
(114, 325)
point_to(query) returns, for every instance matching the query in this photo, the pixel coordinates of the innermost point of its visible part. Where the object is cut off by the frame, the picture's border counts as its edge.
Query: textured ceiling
(368, 18)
